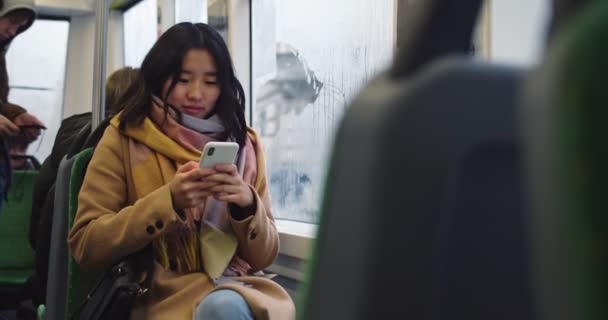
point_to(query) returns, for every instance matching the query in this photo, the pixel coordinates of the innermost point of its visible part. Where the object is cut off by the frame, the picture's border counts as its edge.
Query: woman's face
(10, 24)
(197, 88)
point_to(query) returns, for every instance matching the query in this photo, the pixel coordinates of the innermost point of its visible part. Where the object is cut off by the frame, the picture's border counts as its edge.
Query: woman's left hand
(231, 187)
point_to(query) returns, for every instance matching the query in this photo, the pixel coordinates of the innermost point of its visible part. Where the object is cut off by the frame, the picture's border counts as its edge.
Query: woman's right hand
(188, 189)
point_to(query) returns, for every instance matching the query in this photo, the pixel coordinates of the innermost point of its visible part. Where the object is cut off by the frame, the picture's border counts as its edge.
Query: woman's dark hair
(164, 61)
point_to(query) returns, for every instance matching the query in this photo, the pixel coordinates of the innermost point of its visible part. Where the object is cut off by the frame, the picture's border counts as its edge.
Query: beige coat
(111, 223)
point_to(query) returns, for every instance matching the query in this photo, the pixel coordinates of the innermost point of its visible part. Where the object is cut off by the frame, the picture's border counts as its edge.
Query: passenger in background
(44, 196)
(15, 17)
(211, 230)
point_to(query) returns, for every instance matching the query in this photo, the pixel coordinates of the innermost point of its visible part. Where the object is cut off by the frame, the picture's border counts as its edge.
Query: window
(309, 60)
(140, 31)
(191, 10)
(218, 17)
(518, 30)
(36, 68)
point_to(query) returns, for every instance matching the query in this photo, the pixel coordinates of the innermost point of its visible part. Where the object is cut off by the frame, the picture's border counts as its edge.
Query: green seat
(70, 295)
(17, 258)
(79, 283)
(15, 276)
(569, 158)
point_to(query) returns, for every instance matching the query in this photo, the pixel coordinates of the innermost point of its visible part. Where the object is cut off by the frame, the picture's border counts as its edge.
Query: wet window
(309, 60)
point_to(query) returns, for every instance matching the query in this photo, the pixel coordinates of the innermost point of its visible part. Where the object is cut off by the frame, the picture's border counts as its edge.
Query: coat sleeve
(257, 234)
(107, 228)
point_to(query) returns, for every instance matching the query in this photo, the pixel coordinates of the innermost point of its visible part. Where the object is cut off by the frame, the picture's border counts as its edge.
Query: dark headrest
(79, 141)
(438, 28)
(96, 135)
(85, 138)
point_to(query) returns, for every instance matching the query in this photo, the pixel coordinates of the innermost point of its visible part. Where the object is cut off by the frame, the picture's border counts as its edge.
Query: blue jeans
(223, 305)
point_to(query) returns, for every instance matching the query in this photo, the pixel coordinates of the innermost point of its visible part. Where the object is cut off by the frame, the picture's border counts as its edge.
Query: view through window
(309, 60)
(140, 31)
(42, 47)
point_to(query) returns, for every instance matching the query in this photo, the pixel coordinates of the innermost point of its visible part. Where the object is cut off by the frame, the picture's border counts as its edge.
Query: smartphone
(30, 126)
(218, 153)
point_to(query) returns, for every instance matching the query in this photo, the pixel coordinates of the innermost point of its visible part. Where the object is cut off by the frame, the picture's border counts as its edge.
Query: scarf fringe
(182, 249)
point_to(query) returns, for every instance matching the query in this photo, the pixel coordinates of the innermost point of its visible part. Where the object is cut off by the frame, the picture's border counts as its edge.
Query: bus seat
(436, 207)
(67, 287)
(567, 135)
(424, 214)
(17, 258)
(79, 283)
(56, 290)
(60, 301)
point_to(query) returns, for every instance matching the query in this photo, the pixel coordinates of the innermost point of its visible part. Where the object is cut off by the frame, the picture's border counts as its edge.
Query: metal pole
(99, 72)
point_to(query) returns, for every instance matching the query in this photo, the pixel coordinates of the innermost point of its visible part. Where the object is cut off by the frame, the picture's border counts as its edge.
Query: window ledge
(296, 238)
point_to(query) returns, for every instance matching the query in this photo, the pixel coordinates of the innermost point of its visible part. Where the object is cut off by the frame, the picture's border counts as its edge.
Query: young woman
(211, 230)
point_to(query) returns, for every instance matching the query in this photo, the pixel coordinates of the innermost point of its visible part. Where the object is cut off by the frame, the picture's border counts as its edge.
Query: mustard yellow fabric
(114, 220)
(209, 249)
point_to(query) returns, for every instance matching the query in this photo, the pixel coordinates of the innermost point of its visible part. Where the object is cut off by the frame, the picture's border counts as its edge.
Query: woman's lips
(192, 110)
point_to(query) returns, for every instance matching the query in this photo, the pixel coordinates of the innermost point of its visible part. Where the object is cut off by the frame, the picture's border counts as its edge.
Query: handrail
(99, 71)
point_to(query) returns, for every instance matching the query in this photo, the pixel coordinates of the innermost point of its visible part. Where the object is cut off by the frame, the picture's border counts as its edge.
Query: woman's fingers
(232, 198)
(207, 172)
(222, 178)
(227, 168)
(201, 185)
(192, 175)
(188, 166)
(226, 188)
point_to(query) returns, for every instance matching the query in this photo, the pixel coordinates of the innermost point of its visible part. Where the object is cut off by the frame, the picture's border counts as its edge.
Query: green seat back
(569, 156)
(17, 258)
(582, 135)
(79, 282)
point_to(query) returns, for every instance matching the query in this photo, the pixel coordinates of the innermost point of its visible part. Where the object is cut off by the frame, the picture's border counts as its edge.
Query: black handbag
(115, 290)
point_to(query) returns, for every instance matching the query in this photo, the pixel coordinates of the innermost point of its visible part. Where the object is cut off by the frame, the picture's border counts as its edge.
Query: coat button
(150, 229)
(159, 224)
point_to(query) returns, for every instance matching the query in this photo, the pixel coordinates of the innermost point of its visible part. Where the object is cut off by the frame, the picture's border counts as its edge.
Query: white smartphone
(218, 153)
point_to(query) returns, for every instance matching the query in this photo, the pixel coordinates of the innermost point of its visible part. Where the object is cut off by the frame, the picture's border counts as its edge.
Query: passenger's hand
(230, 186)
(7, 127)
(188, 189)
(34, 125)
